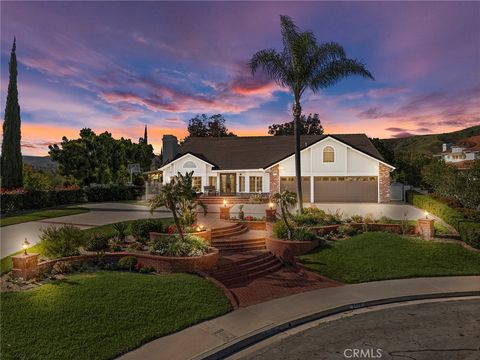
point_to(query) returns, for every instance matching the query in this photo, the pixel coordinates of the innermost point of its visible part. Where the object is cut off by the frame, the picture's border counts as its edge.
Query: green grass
(103, 314)
(380, 256)
(41, 215)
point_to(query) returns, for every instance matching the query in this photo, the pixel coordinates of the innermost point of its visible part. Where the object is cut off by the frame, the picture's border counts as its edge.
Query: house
(335, 168)
(462, 154)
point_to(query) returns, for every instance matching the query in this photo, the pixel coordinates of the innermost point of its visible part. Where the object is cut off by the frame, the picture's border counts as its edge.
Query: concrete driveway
(12, 237)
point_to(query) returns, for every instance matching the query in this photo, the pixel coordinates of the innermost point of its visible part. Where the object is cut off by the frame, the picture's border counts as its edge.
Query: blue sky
(119, 65)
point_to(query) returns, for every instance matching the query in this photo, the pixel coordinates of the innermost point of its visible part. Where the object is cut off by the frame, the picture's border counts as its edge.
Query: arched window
(328, 154)
(189, 165)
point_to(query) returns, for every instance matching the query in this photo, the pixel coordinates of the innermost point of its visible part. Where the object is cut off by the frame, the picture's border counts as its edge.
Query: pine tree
(145, 137)
(11, 163)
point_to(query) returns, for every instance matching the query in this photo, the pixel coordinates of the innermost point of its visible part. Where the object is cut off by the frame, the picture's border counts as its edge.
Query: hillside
(429, 144)
(40, 162)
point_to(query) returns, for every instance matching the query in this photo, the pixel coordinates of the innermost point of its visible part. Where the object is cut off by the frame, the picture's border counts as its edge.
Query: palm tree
(303, 64)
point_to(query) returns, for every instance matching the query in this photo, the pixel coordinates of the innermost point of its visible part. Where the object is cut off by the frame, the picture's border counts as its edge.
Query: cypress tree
(12, 167)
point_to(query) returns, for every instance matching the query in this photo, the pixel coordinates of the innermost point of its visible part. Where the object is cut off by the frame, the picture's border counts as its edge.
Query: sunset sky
(119, 65)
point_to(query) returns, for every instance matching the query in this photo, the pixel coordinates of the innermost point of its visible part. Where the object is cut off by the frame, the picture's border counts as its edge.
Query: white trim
(181, 157)
(341, 143)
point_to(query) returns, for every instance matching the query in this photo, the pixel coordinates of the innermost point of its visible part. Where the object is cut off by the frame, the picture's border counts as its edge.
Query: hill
(40, 162)
(429, 144)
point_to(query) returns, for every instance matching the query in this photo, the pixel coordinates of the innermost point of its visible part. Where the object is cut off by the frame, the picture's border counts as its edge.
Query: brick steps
(240, 245)
(229, 231)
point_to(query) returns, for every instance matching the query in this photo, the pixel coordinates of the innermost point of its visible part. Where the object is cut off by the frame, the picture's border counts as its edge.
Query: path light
(271, 205)
(426, 214)
(202, 227)
(25, 246)
(225, 202)
(198, 229)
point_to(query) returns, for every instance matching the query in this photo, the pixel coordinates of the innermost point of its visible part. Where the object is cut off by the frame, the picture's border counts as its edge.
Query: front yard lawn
(41, 215)
(101, 315)
(380, 256)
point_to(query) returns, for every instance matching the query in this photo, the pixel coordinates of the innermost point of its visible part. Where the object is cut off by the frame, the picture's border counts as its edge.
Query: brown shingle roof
(256, 152)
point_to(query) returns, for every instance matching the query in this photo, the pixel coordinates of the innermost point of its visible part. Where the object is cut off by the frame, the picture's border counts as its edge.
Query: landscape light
(225, 202)
(202, 226)
(198, 228)
(271, 205)
(426, 214)
(25, 246)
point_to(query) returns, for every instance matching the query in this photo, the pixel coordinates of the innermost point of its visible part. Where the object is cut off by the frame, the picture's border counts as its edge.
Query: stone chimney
(169, 147)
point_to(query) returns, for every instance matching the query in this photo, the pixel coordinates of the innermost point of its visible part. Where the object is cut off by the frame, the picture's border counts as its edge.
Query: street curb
(242, 343)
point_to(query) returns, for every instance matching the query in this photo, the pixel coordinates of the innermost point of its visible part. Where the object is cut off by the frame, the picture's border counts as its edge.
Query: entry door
(228, 183)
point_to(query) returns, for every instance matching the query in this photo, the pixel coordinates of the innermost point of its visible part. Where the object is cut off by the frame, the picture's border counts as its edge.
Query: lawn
(101, 315)
(380, 256)
(41, 215)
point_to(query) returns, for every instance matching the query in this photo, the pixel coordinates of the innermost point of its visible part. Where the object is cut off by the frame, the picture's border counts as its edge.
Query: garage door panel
(288, 183)
(346, 189)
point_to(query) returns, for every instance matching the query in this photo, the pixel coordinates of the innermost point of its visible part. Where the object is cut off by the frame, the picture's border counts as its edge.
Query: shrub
(256, 199)
(121, 231)
(347, 230)
(141, 229)
(97, 242)
(136, 245)
(357, 219)
(334, 218)
(61, 267)
(449, 215)
(112, 192)
(303, 234)
(127, 263)
(115, 248)
(280, 230)
(146, 270)
(62, 241)
(470, 233)
(174, 246)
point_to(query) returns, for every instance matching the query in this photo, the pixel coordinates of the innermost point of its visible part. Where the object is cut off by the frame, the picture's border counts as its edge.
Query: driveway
(441, 330)
(100, 214)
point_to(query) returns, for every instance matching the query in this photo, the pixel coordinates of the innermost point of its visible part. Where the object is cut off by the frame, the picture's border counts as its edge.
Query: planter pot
(286, 250)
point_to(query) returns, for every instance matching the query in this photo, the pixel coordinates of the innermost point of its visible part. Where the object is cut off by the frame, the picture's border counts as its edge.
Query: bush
(280, 230)
(127, 263)
(121, 231)
(174, 246)
(97, 242)
(112, 192)
(334, 218)
(300, 233)
(347, 230)
(357, 219)
(141, 229)
(62, 241)
(449, 215)
(136, 245)
(470, 233)
(61, 267)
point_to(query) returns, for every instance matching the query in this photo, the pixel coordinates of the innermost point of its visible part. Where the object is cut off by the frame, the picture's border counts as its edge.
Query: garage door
(346, 189)
(288, 183)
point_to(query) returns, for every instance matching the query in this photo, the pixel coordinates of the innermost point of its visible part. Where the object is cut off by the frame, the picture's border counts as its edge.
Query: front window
(197, 183)
(328, 154)
(212, 181)
(255, 184)
(241, 183)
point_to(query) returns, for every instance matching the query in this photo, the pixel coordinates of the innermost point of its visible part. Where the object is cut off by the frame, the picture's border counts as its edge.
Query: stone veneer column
(275, 179)
(384, 183)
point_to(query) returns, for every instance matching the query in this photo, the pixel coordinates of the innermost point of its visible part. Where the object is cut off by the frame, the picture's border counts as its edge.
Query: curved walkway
(217, 338)
(100, 214)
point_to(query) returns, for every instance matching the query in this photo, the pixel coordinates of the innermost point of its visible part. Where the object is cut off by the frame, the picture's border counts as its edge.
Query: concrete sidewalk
(207, 338)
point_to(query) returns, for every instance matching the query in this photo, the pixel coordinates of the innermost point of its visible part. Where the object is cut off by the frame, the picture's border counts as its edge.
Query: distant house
(462, 154)
(335, 168)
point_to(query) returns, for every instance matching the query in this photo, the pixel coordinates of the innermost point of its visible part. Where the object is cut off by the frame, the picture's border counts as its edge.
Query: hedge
(469, 230)
(470, 233)
(20, 199)
(449, 215)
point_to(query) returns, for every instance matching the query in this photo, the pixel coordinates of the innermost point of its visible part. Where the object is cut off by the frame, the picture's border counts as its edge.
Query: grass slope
(41, 215)
(381, 256)
(103, 314)
(429, 144)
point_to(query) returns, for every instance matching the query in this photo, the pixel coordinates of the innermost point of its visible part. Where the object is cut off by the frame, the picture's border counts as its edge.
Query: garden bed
(204, 234)
(286, 250)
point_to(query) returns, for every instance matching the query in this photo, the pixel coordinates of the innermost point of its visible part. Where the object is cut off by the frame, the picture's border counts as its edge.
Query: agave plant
(121, 229)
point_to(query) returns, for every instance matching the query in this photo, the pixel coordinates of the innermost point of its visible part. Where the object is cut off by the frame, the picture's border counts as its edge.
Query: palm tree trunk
(297, 112)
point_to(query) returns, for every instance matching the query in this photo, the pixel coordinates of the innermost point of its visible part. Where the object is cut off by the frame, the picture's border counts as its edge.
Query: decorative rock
(25, 266)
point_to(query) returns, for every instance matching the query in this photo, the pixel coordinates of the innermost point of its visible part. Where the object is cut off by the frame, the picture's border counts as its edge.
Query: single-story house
(335, 168)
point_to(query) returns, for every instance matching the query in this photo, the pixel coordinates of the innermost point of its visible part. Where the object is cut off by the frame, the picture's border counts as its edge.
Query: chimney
(169, 147)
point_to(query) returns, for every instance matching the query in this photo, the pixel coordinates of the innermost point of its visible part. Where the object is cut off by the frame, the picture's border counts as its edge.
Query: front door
(228, 183)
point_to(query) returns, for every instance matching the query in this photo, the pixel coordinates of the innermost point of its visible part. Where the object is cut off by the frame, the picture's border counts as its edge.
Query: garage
(346, 189)
(288, 183)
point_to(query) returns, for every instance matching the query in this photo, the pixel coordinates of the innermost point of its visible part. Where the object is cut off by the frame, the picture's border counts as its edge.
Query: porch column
(247, 183)
(312, 189)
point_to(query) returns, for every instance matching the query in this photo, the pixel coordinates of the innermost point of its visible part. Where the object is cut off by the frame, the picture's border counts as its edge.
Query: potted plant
(241, 214)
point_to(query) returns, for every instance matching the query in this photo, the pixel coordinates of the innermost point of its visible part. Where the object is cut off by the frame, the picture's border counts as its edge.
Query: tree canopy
(309, 125)
(99, 159)
(204, 126)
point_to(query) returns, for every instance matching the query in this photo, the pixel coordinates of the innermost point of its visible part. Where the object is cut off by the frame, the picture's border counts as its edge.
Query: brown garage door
(346, 189)
(288, 183)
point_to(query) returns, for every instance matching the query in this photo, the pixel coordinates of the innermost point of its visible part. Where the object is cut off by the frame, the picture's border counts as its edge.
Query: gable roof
(260, 152)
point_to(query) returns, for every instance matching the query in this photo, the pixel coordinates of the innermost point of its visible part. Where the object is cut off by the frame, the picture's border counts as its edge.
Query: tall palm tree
(303, 64)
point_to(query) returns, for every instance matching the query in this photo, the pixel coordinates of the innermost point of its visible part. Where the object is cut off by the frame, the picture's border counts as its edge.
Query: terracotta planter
(286, 250)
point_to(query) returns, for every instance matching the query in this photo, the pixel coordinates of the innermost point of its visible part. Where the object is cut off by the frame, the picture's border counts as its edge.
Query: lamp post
(426, 214)
(25, 246)
(271, 213)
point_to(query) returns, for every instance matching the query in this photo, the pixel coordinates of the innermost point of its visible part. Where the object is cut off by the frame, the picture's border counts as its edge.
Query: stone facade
(275, 179)
(384, 183)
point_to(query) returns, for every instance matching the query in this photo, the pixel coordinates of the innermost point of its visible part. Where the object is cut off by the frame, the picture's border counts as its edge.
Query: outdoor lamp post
(270, 205)
(25, 246)
(225, 202)
(426, 214)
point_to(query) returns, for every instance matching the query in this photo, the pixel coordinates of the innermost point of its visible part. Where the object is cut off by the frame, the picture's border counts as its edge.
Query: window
(241, 183)
(197, 183)
(189, 165)
(328, 154)
(255, 184)
(212, 181)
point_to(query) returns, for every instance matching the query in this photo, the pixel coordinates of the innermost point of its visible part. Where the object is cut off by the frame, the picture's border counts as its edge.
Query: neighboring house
(463, 154)
(335, 168)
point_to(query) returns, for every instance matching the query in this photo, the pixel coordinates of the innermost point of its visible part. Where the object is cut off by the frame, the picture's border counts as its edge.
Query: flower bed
(393, 228)
(286, 250)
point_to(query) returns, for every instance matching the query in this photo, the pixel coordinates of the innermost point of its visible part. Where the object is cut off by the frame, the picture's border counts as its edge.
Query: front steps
(229, 231)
